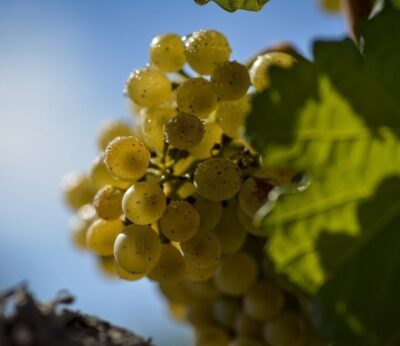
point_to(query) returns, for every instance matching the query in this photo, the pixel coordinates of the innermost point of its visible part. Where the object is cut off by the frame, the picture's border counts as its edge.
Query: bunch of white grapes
(172, 196)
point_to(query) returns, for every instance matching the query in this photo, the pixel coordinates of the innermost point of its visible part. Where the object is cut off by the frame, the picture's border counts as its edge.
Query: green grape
(167, 53)
(125, 275)
(229, 230)
(210, 212)
(249, 226)
(217, 179)
(144, 203)
(226, 310)
(110, 130)
(264, 301)
(236, 274)
(259, 71)
(176, 293)
(212, 336)
(100, 176)
(180, 221)
(148, 87)
(127, 158)
(137, 249)
(203, 290)
(197, 274)
(202, 250)
(184, 131)
(254, 194)
(199, 314)
(77, 189)
(243, 341)
(107, 203)
(245, 326)
(288, 329)
(79, 229)
(106, 266)
(101, 235)
(152, 126)
(212, 136)
(230, 80)
(332, 6)
(205, 49)
(177, 311)
(170, 267)
(231, 116)
(185, 190)
(196, 96)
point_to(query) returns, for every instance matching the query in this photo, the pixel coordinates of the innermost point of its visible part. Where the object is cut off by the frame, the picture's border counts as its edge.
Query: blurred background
(63, 65)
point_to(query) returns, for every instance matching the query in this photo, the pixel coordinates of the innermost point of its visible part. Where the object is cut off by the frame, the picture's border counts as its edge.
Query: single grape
(177, 311)
(180, 221)
(101, 235)
(127, 158)
(212, 136)
(229, 230)
(125, 275)
(177, 293)
(205, 49)
(137, 249)
(148, 87)
(226, 310)
(245, 326)
(243, 341)
(110, 130)
(167, 52)
(231, 116)
(196, 96)
(202, 250)
(210, 212)
(196, 274)
(199, 314)
(332, 6)
(170, 267)
(288, 329)
(100, 176)
(264, 301)
(259, 71)
(230, 80)
(184, 131)
(152, 125)
(236, 273)
(212, 336)
(107, 203)
(77, 189)
(254, 194)
(217, 179)
(249, 226)
(144, 203)
(203, 290)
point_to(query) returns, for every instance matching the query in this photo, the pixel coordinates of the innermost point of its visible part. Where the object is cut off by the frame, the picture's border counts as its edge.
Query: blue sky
(62, 69)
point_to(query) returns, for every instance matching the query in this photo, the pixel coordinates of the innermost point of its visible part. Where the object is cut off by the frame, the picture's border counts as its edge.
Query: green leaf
(233, 5)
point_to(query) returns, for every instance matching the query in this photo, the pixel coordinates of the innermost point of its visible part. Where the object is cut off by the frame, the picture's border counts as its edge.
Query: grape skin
(100, 176)
(197, 274)
(127, 158)
(125, 275)
(217, 179)
(167, 52)
(107, 203)
(77, 189)
(101, 235)
(144, 203)
(226, 310)
(110, 130)
(210, 212)
(212, 136)
(137, 249)
(288, 329)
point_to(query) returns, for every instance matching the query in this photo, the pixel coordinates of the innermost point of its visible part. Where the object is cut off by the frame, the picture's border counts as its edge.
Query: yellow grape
(332, 6)
(144, 203)
(217, 179)
(77, 189)
(100, 176)
(236, 273)
(167, 52)
(137, 249)
(180, 221)
(101, 235)
(170, 267)
(231, 116)
(230, 80)
(127, 158)
(203, 290)
(210, 212)
(196, 274)
(184, 131)
(196, 96)
(249, 226)
(212, 136)
(148, 87)
(202, 250)
(106, 266)
(288, 329)
(152, 125)
(110, 130)
(107, 203)
(260, 70)
(245, 326)
(264, 301)
(79, 229)
(177, 293)
(199, 314)
(125, 275)
(226, 310)
(177, 311)
(205, 49)
(212, 336)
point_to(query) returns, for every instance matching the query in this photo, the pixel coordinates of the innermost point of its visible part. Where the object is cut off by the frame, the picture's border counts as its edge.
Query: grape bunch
(172, 196)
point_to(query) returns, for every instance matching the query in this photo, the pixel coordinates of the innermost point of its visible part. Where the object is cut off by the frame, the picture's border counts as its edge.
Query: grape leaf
(233, 5)
(338, 119)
